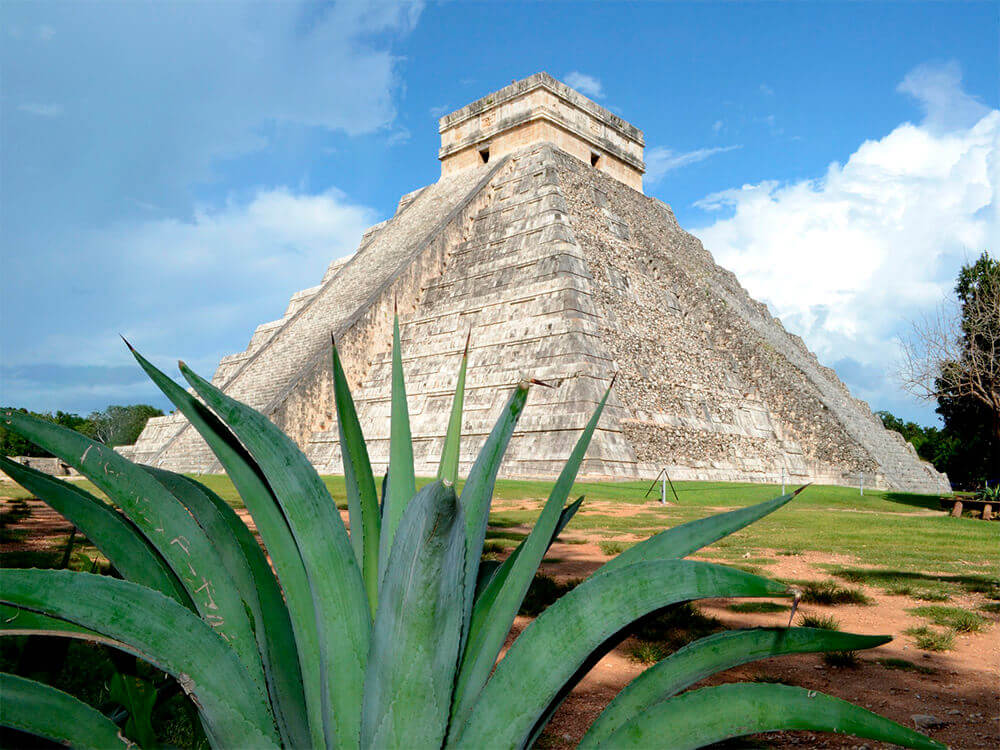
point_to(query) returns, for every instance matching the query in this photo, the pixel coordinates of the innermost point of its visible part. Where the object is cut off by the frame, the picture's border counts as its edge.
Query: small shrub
(763, 607)
(991, 607)
(613, 548)
(823, 622)
(492, 548)
(931, 640)
(770, 678)
(842, 659)
(899, 589)
(905, 666)
(830, 593)
(959, 620)
(931, 596)
(648, 653)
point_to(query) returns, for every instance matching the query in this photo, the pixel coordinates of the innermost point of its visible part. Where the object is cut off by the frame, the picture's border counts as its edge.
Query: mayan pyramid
(537, 238)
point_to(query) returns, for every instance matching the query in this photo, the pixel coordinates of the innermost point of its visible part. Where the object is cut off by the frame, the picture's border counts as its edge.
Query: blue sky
(174, 171)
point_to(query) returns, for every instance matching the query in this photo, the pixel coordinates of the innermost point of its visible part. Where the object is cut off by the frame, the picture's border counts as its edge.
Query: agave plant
(387, 636)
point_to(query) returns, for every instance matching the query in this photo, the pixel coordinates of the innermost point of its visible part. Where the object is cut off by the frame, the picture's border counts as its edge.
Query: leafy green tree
(120, 425)
(954, 358)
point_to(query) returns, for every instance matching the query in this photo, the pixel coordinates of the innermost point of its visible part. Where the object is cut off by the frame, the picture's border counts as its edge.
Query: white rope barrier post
(782, 480)
(861, 483)
(663, 489)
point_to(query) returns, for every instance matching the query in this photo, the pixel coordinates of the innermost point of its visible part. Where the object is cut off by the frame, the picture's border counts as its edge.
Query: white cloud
(946, 106)
(41, 110)
(766, 90)
(660, 160)
(585, 84)
(441, 110)
(717, 126)
(846, 259)
(226, 269)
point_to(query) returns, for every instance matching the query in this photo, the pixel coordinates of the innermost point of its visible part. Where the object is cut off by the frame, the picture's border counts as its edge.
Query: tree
(954, 358)
(121, 425)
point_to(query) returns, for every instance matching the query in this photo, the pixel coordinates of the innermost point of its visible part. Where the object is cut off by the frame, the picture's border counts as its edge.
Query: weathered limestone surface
(565, 273)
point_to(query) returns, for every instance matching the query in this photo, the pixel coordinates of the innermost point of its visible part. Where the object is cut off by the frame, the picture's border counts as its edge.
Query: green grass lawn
(890, 532)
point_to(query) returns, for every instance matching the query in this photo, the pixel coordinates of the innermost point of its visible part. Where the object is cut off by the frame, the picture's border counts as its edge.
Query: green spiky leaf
(418, 626)
(713, 714)
(117, 539)
(163, 520)
(528, 679)
(259, 499)
(494, 611)
(362, 504)
(708, 656)
(342, 613)
(41, 710)
(161, 631)
(448, 470)
(401, 484)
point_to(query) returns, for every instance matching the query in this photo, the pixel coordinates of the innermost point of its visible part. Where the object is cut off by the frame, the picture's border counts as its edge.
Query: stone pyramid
(538, 239)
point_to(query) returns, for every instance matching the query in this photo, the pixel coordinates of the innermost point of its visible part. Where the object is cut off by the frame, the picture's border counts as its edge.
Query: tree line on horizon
(115, 425)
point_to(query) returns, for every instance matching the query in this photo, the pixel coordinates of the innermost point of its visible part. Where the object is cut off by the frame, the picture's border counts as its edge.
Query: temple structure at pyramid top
(538, 240)
(535, 110)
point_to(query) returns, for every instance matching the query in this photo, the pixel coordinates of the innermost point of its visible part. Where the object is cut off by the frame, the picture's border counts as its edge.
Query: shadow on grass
(972, 583)
(926, 502)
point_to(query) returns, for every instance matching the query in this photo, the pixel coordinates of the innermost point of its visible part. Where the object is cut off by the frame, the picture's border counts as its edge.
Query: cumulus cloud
(228, 268)
(846, 259)
(946, 106)
(125, 122)
(585, 84)
(153, 102)
(660, 160)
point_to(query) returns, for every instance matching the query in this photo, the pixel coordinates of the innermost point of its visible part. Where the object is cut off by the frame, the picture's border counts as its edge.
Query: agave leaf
(488, 570)
(252, 575)
(259, 499)
(708, 656)
(109, 531)
(159, 630)
(362, 504)
(478, 490)
(342, 615)
(402, 484)
(494, 611)
(137, 697)
(704, 717)
(42, 710)
(164, 521)
(448, 470)
(418, 626)
(18, 621)
(528, 679)
(681, 541)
